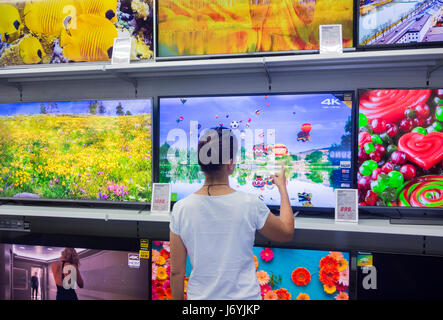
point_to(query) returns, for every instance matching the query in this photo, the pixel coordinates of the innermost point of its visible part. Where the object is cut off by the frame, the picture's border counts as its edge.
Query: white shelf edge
(379, 226)
(365, 58)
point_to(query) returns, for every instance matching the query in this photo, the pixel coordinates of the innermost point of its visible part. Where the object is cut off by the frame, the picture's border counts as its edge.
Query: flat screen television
(62, 31)
(31, 272)
(283, 274)
(311, 134)
(397, 23)
(400, 149)
(392, 276)
(95, 150)
(192, 28)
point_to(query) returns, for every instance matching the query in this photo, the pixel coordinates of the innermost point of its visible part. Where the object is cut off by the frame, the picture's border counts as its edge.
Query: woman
(69, 263)
(216, 227)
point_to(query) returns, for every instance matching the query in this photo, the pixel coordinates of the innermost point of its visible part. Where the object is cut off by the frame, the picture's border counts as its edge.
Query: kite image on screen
(59, 31)
(309, 134)
(396, 22)
(400, 148)
(194, 27)
(76, 150)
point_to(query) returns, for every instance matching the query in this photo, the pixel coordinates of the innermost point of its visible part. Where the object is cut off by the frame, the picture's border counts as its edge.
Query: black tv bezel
(380, 47)
(244, 54)
(386, 211)
(97, 204)
(310, 211)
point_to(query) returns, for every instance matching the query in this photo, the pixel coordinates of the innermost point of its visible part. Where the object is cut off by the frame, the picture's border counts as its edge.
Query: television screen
(283, 274)
(59, 31)
(34, 273)
(387, 276)
(194, 27)
(397, 22)
(76, 150)
(308, 133)
(400, 149)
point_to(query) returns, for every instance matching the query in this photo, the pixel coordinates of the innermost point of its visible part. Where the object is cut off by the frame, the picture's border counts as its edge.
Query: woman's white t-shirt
(219, 233)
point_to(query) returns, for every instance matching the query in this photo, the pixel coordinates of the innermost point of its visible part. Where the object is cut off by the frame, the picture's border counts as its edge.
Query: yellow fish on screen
(10, 23)
(48, 16)
(31, 50)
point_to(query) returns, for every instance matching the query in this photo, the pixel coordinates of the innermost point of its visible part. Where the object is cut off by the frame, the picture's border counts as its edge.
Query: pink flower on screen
(266, 254)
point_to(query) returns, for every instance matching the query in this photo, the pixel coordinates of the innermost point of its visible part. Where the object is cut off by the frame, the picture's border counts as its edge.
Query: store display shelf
(380, 226)
(431, 58)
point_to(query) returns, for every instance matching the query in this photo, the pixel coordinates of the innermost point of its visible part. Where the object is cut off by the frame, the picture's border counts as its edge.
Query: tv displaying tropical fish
(400, 148)
(283, 274)
(310, 134)
(76, 150)
(195, 27)
(399, 22)
(58, 31)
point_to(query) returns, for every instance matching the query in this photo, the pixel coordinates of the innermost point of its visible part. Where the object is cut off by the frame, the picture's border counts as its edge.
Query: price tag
(144, 253)
(331, 39)
(346, 205)
(161, 197)
(133, 260)
(121, 52)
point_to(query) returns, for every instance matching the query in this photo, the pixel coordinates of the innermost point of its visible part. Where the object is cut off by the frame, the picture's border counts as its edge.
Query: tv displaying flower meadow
(195, 27)
(283, 274)
(400, 148)
(76, 150)
(310, 134)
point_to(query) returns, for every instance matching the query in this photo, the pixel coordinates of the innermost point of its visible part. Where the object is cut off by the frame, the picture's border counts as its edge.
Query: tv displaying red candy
(400, 148)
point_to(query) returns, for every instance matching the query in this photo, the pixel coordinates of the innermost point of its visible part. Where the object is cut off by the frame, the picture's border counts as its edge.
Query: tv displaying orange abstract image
(207, 27)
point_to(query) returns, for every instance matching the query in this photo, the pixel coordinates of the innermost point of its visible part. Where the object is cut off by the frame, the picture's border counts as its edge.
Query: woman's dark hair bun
(215, 148)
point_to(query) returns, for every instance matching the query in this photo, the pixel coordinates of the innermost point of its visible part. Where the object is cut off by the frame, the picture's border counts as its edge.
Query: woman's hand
(279, 178)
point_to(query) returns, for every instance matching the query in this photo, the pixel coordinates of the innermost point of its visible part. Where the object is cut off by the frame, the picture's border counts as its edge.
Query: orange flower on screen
(168, 293)
(301, 276)
(161, 273)
(328, 262)
(263, 277)
(329, 277)
(283, 294)
(342, 264)
(342, 296)
(303, 296)
(164, 253)
(161, 260)
(270, 295)
(329, 289)
(336, 255)
(256, 263)
(155, 255)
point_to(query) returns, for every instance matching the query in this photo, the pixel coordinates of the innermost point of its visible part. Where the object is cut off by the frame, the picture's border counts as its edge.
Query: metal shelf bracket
(268, 74)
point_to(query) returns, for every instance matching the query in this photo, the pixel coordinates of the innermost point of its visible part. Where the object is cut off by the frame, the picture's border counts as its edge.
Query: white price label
(121, 52)
(331, 39)
(161, 197)
(346, 207)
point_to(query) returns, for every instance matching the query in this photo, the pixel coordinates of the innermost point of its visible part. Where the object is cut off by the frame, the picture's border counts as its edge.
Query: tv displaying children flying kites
(311, 134)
